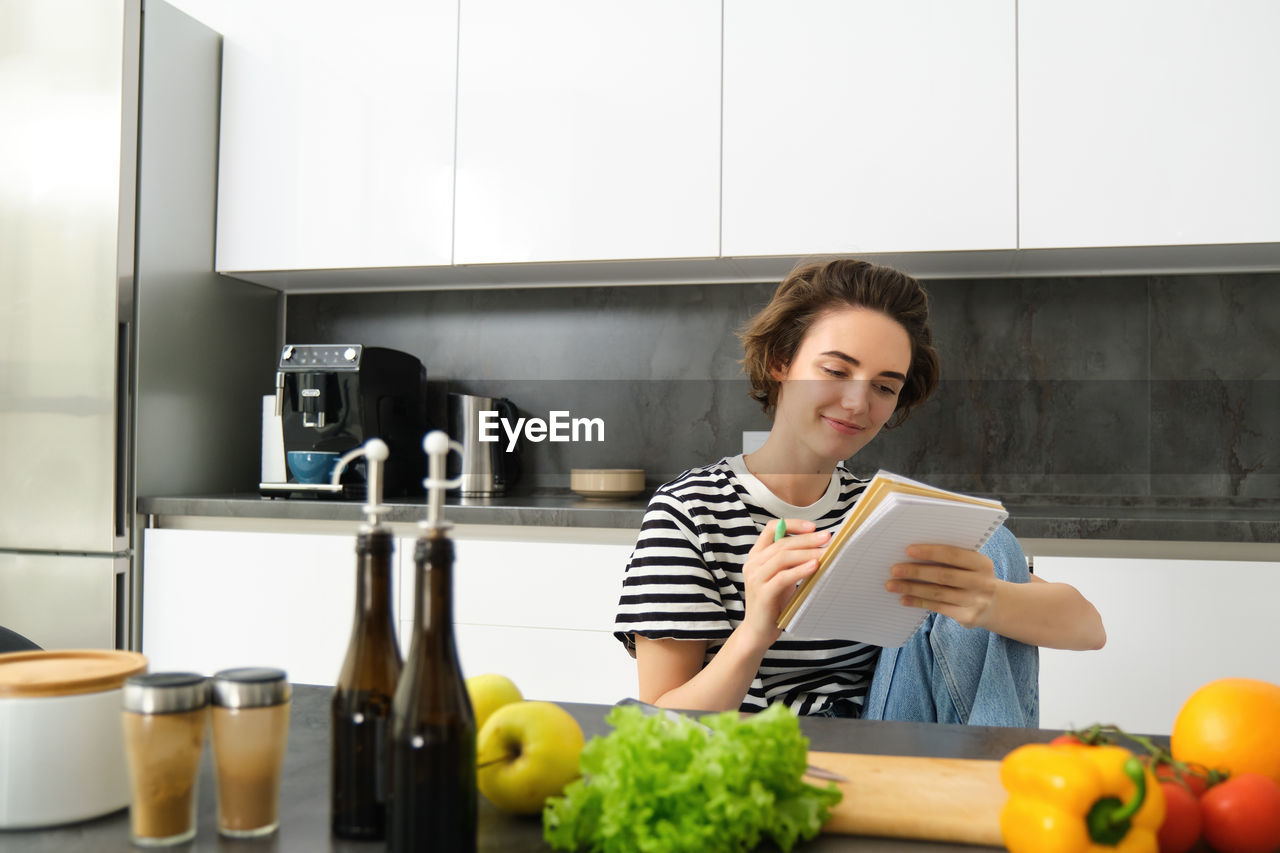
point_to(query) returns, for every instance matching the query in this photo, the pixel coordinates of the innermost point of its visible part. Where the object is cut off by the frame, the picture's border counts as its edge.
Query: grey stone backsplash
(1142, 387)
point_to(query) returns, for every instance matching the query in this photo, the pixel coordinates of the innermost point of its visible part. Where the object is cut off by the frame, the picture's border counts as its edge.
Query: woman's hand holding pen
(775, 564)
(955, 582)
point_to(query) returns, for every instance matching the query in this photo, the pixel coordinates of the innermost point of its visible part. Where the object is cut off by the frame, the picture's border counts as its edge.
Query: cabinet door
(337, 133)
(1172, 625)
(540, 613)
(587, 130)
(217, 599)
(869, 127)
(1148, 123)
(573, 586)
(550, 664)
(547, 664)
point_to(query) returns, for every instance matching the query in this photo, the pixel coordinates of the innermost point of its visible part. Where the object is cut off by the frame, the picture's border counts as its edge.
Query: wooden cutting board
(938, 799)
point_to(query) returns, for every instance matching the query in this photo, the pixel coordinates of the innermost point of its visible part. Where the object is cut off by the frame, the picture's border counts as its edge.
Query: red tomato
(1061, 739)
(1181, 828)
(1242, 815)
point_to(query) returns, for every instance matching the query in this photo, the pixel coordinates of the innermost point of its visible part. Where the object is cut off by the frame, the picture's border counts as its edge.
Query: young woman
(843, 350)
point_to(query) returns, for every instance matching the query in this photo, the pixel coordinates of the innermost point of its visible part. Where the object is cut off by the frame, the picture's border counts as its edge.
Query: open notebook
(845, 598)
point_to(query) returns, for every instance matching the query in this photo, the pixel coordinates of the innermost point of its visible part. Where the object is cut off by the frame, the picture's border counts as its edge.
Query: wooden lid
(66, 672)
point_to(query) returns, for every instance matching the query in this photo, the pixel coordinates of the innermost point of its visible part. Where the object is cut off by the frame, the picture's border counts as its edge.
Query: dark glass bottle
(433, 736)
(361, 709)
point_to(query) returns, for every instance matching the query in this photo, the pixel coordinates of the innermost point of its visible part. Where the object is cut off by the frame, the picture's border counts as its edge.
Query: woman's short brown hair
(773, 336)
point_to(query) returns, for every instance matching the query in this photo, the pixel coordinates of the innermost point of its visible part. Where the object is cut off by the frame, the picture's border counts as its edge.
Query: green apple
(488, 693)
(527, 752)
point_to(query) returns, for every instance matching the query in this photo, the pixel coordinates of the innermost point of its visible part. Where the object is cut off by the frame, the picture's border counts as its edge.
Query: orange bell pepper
(1068, 798)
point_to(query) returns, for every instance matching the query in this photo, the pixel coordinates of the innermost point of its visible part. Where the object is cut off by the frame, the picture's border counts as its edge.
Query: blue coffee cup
(311, 466)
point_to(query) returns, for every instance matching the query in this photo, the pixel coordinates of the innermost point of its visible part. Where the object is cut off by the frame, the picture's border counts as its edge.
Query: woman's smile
(841, 426)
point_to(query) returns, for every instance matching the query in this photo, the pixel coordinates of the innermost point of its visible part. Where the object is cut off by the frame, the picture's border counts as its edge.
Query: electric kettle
(486, 468)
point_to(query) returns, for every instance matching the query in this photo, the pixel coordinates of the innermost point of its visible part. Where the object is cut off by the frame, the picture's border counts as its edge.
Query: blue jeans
(949, 674)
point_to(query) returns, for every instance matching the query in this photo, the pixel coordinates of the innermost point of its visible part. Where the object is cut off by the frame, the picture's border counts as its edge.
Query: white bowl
(606, 483)
(62, 756)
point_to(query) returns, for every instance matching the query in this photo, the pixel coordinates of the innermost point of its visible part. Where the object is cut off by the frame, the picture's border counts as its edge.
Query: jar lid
(66, 672)
(165, 692)
(250, 687)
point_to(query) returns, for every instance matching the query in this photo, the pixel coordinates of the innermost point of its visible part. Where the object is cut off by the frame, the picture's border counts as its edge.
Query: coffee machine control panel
(320, 357)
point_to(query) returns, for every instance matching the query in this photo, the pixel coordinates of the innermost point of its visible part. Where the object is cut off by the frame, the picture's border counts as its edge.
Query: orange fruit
(1232, 724)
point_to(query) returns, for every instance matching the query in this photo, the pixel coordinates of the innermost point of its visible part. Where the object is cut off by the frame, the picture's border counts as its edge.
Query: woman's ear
(778, 371)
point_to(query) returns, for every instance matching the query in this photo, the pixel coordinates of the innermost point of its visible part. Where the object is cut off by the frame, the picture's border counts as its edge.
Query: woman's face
(843, 384)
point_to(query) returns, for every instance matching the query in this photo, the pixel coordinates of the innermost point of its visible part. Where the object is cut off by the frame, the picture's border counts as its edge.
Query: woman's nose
(855, 394)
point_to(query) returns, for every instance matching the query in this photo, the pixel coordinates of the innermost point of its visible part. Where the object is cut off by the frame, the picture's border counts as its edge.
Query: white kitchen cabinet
(550, 664)
(337, 132)
(587, 130)
(1147, 123)
(1172, 625)
(869, 127)
(538, 612)
(214, 599)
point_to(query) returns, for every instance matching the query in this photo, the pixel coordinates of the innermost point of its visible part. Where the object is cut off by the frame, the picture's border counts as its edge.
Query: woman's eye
(830, 371)
(887, 390)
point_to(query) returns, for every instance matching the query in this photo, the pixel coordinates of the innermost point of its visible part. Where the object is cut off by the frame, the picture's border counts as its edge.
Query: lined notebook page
(849, 601)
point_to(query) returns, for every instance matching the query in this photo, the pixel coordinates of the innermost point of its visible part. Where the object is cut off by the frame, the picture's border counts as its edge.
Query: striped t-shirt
(684, 581)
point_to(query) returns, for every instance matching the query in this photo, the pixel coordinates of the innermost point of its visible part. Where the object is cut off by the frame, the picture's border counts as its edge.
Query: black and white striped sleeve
(669, 591)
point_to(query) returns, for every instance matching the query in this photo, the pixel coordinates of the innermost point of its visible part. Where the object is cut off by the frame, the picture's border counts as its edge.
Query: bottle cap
(165, 692)
(250, 687)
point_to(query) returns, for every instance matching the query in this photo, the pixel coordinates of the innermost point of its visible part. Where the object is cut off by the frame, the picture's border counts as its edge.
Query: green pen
(780, 533)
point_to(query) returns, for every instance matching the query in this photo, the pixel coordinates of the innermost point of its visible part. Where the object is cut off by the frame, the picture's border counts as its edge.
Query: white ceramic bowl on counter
(606, 483)
(61, 737)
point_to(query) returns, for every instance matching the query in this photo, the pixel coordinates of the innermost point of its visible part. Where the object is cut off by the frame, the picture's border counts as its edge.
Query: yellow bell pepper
(1069, 798)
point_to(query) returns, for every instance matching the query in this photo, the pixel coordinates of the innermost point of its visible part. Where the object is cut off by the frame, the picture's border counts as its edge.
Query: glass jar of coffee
(250, 732)
(164, 724)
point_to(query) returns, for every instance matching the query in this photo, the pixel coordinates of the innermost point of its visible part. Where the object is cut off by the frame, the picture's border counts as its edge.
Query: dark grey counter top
(1167, 519)
(556, 509)
(304, 796)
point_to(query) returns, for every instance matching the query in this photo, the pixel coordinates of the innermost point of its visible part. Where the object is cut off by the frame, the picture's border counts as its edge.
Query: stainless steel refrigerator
(127, 367)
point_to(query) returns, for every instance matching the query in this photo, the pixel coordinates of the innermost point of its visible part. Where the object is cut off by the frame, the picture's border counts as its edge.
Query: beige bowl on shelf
(606, 483)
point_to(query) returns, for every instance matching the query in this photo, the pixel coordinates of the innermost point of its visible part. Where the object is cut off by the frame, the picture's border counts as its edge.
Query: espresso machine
(330, 400)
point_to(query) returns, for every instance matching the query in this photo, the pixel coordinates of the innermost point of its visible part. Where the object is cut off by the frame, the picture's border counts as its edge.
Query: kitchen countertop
(1236, 520)
(304, 798)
